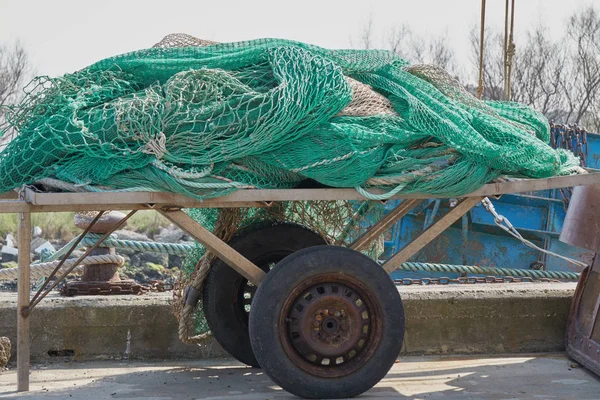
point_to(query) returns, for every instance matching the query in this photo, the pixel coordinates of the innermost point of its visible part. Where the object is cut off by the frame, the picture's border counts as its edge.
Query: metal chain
(107, 288)
(160, 286)
(573, 138)
(570, 137)
(505, 225)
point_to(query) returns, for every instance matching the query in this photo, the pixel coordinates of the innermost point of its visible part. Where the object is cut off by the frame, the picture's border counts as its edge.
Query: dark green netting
(269, 113)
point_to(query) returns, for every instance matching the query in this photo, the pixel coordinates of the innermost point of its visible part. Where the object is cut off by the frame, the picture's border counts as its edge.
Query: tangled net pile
(203, 119)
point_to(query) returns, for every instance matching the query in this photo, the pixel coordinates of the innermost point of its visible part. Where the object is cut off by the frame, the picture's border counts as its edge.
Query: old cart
(327, 322)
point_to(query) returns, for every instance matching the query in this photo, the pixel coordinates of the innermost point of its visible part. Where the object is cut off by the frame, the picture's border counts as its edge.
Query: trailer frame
(29, 200)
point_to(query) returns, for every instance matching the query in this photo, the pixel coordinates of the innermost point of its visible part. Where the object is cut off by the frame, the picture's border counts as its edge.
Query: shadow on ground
(552, 377)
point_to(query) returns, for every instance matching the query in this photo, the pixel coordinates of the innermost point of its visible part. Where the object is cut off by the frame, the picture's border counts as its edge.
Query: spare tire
(228, 295)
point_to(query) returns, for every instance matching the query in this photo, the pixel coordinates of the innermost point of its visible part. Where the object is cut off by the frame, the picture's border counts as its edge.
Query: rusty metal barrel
(581, 226)
(100, 279)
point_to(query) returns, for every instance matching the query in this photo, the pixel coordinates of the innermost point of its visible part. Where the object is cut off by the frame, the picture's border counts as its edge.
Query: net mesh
(203, 119)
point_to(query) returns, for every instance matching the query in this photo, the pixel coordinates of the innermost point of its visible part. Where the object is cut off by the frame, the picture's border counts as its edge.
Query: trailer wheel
(326, 323)
(227, 295)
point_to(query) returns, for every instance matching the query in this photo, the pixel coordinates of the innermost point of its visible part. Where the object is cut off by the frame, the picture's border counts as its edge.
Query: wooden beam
(92, 201)
(23, 337)
(532, 185)
(431, 233)
(384, 224)
(221, 249)
(14, 206)
(254, 197)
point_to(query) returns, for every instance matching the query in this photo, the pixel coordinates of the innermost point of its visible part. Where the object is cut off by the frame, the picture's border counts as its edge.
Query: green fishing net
(204, 119)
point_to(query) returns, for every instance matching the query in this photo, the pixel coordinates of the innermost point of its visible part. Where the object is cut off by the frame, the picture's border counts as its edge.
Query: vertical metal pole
(505, 50)
(481, 47)
(23, 361)
(510, 51)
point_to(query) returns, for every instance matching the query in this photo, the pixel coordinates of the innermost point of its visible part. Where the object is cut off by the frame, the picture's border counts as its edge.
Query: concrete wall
(482, 318)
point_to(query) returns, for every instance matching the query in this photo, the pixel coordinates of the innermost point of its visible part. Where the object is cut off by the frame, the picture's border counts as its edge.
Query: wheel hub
(332, 325)
(329, 325)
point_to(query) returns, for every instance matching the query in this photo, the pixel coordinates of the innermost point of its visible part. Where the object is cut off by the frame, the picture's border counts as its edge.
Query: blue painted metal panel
(476, 240)
(593, 159)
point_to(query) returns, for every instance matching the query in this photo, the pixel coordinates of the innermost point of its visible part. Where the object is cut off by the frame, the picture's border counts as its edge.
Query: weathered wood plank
(221, 249)
(23, 337)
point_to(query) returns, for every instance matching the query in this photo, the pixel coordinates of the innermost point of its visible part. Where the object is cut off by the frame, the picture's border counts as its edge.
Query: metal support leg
(23, 361)
(431, 233)
(221, 249)
(383, 224)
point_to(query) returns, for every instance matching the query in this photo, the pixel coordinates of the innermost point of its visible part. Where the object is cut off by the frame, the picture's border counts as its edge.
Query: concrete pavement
(535, 377)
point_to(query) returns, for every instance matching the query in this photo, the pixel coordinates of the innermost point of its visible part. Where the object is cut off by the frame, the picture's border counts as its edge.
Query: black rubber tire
(310, 265)
(223, 290)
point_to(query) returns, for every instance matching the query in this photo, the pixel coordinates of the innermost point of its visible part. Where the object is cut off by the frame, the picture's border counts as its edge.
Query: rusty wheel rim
(247, 290)
(330, 325)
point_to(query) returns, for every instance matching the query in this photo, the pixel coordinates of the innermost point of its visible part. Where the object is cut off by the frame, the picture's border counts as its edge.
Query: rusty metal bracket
(103, 288)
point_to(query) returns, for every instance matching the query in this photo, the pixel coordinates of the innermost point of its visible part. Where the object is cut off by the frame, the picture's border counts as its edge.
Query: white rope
(383, 196)
(156, 146)
(335, 159)
(396, 180)
(180, 173)
(505, 225)
(45, 269)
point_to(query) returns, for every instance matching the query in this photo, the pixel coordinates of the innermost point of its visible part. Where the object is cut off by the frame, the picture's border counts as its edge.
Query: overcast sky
(66, 35)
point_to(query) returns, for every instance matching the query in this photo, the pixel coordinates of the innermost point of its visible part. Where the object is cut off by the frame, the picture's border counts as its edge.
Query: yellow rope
(481, 38)
(4, 352)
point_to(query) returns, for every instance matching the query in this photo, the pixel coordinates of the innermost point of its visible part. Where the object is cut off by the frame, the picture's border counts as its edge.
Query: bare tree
(404, 42)
(493, 64)
(365, 41)
(412, 47)
(398, 40)
(440, 54)
(419, 50)
(14, 71)
(561, 79)
(538, 74)
(583, 31)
